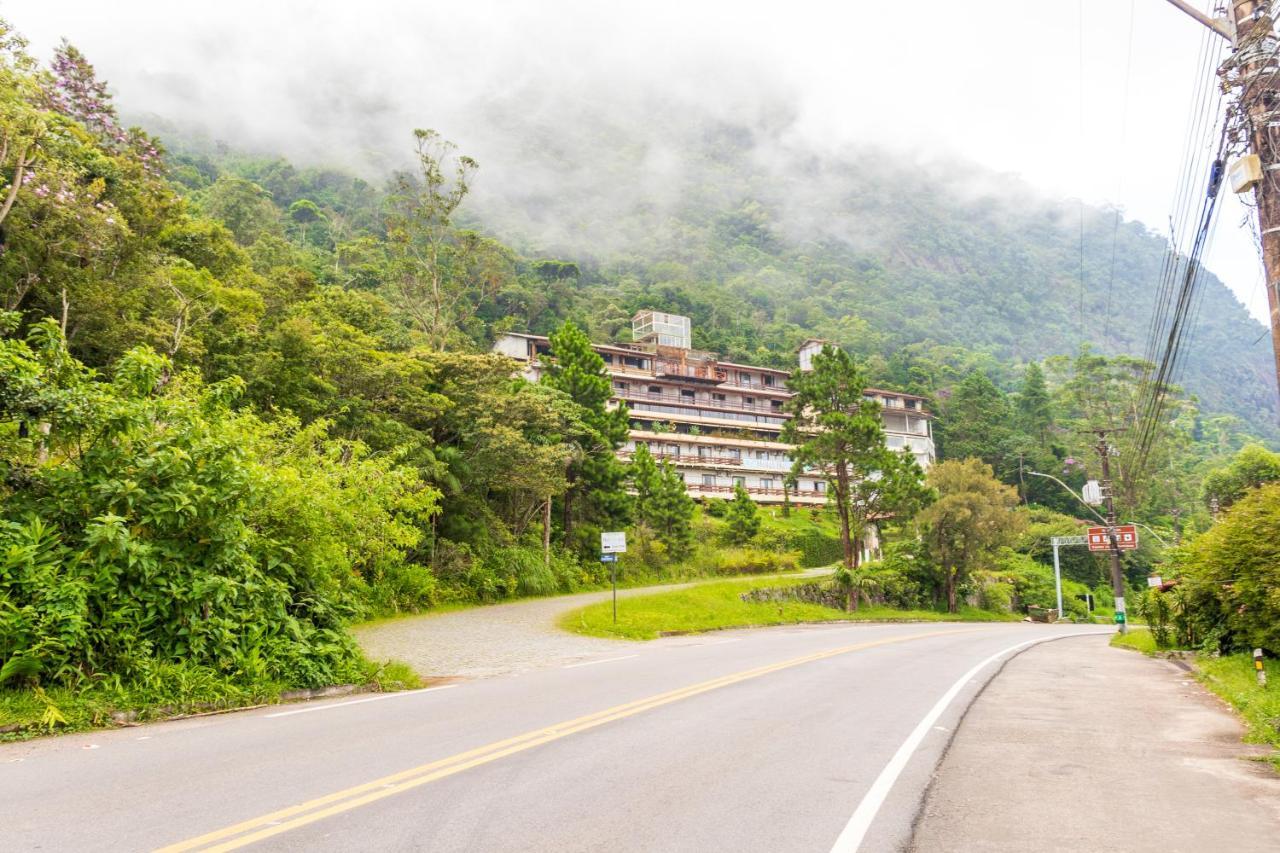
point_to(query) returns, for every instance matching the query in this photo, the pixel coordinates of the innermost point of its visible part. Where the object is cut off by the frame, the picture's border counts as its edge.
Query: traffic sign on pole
(1100, 537)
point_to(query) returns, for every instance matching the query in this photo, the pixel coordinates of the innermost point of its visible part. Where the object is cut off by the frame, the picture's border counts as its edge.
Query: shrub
(1233, 572)
(156, 524)
(742, 518)
(742, 561)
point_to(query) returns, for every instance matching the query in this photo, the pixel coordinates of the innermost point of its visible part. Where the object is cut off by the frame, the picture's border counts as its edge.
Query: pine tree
(596, 492)
(836, 430)
(644, 480)
(742, 516)
(1034, 415)
(661, 501)
(978, 425)
(672, 513)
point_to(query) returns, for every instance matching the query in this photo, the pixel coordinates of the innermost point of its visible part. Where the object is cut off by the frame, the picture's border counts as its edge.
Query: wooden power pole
(1252, 74)
(1117, 574)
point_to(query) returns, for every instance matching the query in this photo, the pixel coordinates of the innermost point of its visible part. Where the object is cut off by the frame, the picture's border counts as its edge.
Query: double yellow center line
(293, 817)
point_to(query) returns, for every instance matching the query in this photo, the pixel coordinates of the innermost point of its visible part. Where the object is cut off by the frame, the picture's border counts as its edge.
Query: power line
(1124, 128)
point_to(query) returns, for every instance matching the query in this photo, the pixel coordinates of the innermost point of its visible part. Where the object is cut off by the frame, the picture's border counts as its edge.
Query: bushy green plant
(715, 507)
(742, 517)
(1232, 573)
(741, 561)
(154, 523)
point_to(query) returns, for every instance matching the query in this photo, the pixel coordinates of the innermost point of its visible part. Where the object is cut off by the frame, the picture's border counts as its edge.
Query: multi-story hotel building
(717, 421)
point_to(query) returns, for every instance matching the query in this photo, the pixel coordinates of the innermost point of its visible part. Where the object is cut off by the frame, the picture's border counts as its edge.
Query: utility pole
(1253, 73)
(1117, 576)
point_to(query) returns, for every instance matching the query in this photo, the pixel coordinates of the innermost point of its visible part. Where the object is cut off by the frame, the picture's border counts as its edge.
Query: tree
(439, 273)
(661, 500)
(22, 126)
(1232, 572)
(837, 431)
(242, 206)
(157, 523)
(1252, 467)
(1035, 416)
(972, 517)
(595, 477)
(977, 424)
(672, 512)
(644, 479)
(304, 212)
(742, 516)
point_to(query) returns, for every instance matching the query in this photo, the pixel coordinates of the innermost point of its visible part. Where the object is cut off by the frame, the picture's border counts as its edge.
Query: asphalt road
(808, 738)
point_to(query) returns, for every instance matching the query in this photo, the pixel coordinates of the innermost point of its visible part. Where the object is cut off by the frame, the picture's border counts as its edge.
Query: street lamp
(1071, 490)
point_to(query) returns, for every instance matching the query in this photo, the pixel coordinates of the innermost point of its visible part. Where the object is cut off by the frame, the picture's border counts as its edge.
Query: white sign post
(613, 543)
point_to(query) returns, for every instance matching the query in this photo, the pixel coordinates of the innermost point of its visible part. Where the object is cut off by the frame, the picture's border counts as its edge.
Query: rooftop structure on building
(718, 421)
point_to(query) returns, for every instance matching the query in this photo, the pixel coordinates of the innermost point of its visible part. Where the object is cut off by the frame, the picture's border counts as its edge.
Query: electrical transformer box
(1245, 173)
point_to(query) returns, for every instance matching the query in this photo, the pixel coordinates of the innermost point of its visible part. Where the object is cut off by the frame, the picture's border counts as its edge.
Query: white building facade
(717, 421)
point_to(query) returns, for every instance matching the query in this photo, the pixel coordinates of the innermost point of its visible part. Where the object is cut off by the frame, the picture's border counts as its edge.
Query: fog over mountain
(635, 132)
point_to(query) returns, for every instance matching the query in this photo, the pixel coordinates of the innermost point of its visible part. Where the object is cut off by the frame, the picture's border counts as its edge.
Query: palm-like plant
(858, 584)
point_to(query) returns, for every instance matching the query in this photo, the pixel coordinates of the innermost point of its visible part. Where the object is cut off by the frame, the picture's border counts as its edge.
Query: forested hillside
(764, 241)
(751, 216)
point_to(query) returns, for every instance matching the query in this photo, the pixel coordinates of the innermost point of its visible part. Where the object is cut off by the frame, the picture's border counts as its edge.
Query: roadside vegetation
(715, 606)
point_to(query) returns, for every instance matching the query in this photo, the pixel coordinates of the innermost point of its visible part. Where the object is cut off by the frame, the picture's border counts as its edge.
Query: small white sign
(1155, 581)
(613, 542)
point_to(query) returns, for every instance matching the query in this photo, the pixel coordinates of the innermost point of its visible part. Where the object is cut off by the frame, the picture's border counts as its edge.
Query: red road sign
(1100, 540)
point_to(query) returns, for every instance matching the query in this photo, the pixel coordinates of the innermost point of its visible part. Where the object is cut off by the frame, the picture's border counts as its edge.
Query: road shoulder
(1079, 746)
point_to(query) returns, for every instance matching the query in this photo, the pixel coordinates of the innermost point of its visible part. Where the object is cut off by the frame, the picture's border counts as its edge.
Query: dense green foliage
(662, 502)
(741, 516)
(836, 429)
(1230, 578)
(148, 521)
(972, 517)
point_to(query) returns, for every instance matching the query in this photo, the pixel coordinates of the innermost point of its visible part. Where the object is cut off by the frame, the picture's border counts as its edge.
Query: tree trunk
(546, 532)
(570, 477)
(842, 507)
(951, 588)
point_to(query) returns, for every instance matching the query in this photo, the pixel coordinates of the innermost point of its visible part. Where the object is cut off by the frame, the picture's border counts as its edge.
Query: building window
(608, 359)
(717, 398)
(748, 401)
(655, 389)
(620, 386)
(776, 404)
(740, 481)
(708, 479)
(820, 486)
(686, 394)
(911, 404)
(766, 484)
(744, 378)
(767, 380)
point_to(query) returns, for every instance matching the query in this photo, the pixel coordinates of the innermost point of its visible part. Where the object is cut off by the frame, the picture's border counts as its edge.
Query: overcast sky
(1019, 86)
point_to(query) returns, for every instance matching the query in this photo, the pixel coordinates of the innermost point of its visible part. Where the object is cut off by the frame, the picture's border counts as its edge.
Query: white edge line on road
(856, 829)
(378, 698)
(594, 662)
